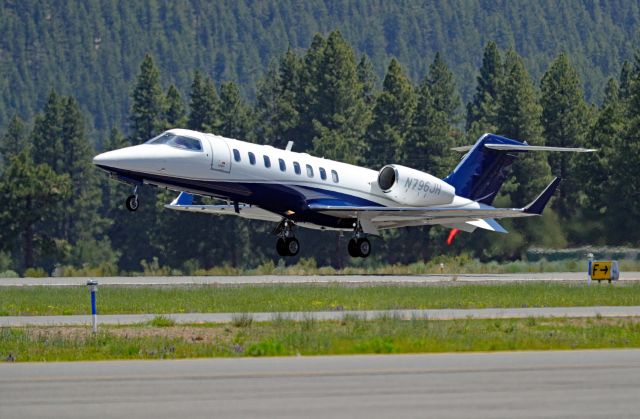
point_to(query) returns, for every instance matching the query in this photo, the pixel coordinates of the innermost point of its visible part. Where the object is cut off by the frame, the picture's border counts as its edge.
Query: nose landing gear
(359, 246)
(132, 203)
(287, 244)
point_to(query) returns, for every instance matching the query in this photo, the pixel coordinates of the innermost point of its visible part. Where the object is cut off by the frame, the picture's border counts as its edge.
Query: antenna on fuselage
(289, 146)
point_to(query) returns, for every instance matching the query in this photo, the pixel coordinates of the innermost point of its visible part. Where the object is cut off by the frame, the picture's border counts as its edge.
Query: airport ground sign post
(93, 288)
(603, 270)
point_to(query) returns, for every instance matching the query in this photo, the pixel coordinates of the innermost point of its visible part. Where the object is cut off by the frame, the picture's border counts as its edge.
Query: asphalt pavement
(554, 384)
(431, 314)
(445, 278)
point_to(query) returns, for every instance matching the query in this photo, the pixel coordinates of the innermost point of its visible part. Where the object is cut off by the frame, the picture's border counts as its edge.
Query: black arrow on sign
(605, 270)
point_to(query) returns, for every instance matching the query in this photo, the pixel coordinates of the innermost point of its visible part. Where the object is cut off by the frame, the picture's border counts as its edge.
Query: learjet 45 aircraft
(295, 189)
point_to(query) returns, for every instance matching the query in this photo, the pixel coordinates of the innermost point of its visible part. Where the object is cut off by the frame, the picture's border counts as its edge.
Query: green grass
(161, 300)
(161, 321)
(284, 337)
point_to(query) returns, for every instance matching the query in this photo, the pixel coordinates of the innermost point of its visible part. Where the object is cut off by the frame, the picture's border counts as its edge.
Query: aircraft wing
(465, 218)
(184, 202)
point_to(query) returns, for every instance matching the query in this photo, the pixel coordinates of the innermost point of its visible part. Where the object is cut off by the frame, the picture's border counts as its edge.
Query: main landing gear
(359, 246)
(132, 203)
(287, 244)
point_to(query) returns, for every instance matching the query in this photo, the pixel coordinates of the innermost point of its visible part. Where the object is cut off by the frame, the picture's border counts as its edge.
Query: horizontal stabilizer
(488, 224)
(526, 147)
(471, 225)
(537, 206)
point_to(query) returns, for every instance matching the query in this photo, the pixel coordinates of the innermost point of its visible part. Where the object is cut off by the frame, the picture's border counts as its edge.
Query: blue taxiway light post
(93, 288)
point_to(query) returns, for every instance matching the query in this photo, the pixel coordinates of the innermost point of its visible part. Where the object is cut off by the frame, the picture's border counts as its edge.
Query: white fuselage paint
(216, 163)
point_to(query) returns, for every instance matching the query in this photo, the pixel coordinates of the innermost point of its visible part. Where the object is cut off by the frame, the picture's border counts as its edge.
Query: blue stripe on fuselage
(276, 197)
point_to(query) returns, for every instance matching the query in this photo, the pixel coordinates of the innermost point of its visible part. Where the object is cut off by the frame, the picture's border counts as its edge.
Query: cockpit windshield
(178, 141)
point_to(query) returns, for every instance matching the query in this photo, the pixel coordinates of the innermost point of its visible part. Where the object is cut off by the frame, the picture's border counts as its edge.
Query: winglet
(537, 206)
(183, 199)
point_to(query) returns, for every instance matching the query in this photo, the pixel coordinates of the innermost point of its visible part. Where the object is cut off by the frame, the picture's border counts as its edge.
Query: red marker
(452, 234)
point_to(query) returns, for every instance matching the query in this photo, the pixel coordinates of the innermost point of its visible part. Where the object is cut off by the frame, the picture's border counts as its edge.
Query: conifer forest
(367, 82)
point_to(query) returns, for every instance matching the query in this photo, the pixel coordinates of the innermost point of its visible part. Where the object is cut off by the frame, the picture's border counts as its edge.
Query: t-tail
(483, 170)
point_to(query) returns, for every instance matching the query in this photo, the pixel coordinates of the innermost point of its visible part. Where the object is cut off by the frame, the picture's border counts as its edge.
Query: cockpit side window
(177, 141)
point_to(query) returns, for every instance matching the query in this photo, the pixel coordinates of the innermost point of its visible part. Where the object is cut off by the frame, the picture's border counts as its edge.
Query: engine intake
(412, 187)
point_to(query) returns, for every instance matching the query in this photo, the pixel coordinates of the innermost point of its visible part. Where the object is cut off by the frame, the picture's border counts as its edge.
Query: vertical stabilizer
(482, 171)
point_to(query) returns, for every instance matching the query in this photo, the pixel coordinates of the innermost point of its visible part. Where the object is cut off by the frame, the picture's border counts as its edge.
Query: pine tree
(597, 169)
(519, 116)
(565, 122)
(443, 89)
(310, 103)
(626, 73)
(277, 115)
(14, 140)
(234, 114)
(46, 136)
(339, 114)
(30, 193)
(482, 110)
(429, 141)
(392, 116)
(623, 210)
(204, 107)
(148, 103)
(175, 115)
(80, 220)
(367, 78)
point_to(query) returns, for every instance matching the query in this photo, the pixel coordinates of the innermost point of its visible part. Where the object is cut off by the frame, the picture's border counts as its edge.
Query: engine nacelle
(412, 187)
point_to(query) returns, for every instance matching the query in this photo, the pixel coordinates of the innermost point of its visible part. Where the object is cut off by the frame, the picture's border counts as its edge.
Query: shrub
(9, 274)
(35, 273)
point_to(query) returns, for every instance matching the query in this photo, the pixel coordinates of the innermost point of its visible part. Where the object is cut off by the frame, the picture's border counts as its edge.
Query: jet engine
(412, 187)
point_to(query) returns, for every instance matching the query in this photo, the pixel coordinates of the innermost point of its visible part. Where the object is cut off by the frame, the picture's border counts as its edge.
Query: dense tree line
(57, 210)
(91, 49)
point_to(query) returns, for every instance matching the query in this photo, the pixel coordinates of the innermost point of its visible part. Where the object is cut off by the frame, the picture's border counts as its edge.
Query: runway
(431, 314)
(565, 384)
(444, 278)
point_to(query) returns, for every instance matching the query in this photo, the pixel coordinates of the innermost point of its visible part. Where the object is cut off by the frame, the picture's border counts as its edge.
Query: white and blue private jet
(292, 189)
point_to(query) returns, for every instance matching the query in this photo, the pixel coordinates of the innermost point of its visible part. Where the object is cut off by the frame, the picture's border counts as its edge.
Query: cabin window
(252, 158)
(309, 171)
(283, 166)
(267, 161)
(323, 174)
(334, 176)
(236, 155)
(296, 167)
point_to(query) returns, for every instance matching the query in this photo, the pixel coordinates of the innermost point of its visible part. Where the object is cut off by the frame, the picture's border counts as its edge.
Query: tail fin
(483, 169)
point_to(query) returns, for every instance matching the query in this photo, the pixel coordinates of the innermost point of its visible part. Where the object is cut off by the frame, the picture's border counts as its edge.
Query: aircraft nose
(101, 158)
(110, 159)
(124, 158)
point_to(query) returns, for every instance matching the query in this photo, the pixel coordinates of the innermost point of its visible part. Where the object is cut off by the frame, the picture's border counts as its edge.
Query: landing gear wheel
(292, 245)
(352, 248)
(281, 247)
(132, 202)
(364, 247)
(359, 247)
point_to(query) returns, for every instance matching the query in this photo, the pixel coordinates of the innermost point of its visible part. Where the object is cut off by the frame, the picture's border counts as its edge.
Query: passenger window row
(283, 166)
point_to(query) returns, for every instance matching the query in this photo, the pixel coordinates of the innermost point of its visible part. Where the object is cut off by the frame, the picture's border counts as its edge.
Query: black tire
(292, 246)
(281, 248)
(364, 247)
(132, 203)
(352, 248)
